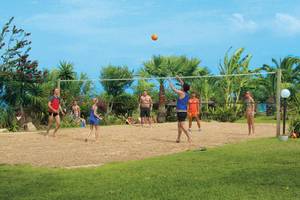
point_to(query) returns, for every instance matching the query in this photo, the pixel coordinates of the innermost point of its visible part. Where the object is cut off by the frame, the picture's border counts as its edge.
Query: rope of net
(165, 78)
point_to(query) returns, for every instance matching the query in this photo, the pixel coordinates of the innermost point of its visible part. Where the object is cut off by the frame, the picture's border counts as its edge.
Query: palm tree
(232, 86)
(156, 67)
(66, 71)
(290, 67)
(204, 86)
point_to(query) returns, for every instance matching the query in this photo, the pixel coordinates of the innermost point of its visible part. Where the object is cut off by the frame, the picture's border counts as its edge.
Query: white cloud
(76, 17)
(287, 24)
(240, 23)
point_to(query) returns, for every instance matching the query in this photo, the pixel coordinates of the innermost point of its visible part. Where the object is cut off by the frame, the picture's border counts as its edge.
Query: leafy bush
(68, 122)
(112, 120)
(8, 120)
(295, 125)
(225, 114)
(125, 104)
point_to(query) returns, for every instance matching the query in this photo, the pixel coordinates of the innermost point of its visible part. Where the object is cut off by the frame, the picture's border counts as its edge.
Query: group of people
(54, 108)
(186, 106)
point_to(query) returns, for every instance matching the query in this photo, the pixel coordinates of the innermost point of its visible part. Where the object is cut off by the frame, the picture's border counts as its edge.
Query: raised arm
(179, 80)
(179, 92)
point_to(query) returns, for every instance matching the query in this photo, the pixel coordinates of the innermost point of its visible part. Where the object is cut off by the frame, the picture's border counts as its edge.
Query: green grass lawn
(259, 169)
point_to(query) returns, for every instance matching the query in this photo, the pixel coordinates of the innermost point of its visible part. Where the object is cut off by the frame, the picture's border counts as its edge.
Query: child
(94, 119)
(193, 111)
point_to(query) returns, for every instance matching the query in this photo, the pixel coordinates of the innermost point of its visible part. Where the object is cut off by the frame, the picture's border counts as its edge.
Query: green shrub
(8, 120)
(68, 122)
(125, 104)
(112, 120)
(294, 125)
(226, 114)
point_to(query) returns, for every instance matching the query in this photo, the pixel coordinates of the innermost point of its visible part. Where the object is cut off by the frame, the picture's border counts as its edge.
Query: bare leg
(198, 122)
(190, 122)
(179, 133)
(50, 121)
(185, 132)
(57, 119)
(142, 121)
(96, 132)
(91, 130)
(249, 124)
(149, 121)
(252, 124)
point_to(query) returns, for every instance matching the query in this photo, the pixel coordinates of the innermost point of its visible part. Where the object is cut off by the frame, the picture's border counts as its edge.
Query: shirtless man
(145, 106)
(76, 110)
(76, 113)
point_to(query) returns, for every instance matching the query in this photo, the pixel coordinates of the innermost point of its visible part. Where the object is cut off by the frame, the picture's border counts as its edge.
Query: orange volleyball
(154, 37)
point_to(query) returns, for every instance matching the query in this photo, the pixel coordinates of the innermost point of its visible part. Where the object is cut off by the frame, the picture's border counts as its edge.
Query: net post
(58, 84)
(278, 90)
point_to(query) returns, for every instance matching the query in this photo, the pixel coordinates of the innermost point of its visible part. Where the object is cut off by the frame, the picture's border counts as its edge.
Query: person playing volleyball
(250, 111)
(94, 119)
(181, 107)
(193, 111)
(54, 108)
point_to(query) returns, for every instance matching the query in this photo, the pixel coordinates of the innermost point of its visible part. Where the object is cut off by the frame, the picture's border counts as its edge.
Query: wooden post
(58, 85)
(278, 104)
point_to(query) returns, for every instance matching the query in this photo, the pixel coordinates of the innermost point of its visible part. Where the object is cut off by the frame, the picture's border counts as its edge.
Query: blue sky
(92, 34)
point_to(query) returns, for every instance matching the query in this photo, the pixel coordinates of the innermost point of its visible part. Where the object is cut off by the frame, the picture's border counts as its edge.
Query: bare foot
(177, 141)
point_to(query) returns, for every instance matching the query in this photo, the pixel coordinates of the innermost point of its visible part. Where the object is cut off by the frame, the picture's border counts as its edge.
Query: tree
(115, 88)
(19, 76)
(156, 67)
(143, 85)
(78, 88)
(290, 67)
(124, 105)
(204, 86)
(66, 71)
(233, 85)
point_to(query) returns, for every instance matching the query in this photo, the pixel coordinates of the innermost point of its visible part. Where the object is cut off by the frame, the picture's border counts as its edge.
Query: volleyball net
(222, 96)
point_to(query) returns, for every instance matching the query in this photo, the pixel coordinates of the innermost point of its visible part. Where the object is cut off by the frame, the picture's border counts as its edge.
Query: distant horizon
(92, 34)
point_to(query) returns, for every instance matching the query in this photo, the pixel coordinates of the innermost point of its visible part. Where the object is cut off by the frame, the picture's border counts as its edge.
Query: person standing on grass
(194, 111)
(250, 112)
(54, 108)
(181, 107)
(94, 120)
(145, 106)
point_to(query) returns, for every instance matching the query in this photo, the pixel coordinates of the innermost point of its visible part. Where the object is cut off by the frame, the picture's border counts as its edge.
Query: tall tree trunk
(161, 115)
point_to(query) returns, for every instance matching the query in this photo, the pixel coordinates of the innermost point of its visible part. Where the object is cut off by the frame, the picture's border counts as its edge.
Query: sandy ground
(117, 143)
